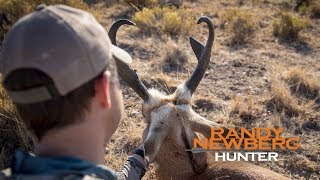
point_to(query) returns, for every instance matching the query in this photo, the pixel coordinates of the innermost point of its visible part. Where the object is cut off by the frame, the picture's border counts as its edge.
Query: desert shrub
(15, 9)
(303, 83)
(12, 131)
(175, 59)
(245, 108)
(314, 9)
(240, 24)
(287, 26)
(281, 99)
(310, 7)
(166, 20)
(140, 4)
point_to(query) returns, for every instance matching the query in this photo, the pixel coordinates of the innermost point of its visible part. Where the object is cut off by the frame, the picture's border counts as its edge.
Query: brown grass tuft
(281, 98)
(140, 4)
(303, 83)
(310, 7)
(314, 9)
(288, 26)
(14, 10)
(244, 107)
(12, 131)
(240, 24)
(175, 59)
(166, 20)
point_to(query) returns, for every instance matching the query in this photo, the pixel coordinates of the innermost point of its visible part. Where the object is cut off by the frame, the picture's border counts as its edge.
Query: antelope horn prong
(196, 47)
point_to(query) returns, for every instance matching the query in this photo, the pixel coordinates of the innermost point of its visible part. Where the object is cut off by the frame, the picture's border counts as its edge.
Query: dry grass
(166, 20)
(140, 4)
(311, 8)
(282, 99)
(245, 108)
(294, 91)
(12, 131)
(288, 26)
(175, 59)
(314, 9)
(303, 82)
(15, 9)
(241, 24)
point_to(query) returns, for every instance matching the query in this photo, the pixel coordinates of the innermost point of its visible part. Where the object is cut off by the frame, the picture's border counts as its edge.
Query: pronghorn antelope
(172, 129)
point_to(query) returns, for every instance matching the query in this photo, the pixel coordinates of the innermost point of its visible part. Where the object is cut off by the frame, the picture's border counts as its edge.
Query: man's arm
(135, 167)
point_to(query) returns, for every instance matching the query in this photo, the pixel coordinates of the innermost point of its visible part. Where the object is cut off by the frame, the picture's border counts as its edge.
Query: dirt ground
(238, 75)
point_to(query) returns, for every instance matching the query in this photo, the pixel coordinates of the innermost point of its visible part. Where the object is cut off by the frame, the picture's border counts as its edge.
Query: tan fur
(172, 126)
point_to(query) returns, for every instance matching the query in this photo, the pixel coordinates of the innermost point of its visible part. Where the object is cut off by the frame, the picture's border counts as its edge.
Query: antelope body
(173, 123)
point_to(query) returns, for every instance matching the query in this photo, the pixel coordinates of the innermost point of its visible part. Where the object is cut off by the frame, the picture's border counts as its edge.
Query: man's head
(57, 64)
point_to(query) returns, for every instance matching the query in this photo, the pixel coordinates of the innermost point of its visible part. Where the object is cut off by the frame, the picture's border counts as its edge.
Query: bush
(303, 83)
(140, 4)
(12, 131)
(175, 59)
(240, 24)
(310, 7)
(15, 9)
(243, 107)
(166, 20)
(282, 100)
(314, 9)
(288, 26)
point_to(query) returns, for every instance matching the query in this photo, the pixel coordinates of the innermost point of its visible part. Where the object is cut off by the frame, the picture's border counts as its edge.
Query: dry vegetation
(12, 132)
(288, 25)
(165, 20)
(254, 79)
(240, 24)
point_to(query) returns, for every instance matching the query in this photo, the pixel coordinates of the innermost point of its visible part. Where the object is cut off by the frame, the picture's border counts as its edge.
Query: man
(58, 66)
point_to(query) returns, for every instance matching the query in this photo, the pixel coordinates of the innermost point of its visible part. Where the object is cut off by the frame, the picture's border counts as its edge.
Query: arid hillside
(264, 71)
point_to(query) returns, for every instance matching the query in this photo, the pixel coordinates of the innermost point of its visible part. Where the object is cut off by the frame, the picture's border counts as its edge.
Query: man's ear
(102, 88)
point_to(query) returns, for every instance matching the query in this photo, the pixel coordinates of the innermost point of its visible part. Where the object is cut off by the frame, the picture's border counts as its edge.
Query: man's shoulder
(27, 166)
(100, 172)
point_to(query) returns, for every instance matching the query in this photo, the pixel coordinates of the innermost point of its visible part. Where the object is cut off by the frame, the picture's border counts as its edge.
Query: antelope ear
(199, 159)
(204, 126)
(198, 123)
(196, 47)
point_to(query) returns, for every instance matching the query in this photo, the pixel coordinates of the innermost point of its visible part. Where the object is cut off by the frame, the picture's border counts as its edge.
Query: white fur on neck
(155, 97)
(183, 93)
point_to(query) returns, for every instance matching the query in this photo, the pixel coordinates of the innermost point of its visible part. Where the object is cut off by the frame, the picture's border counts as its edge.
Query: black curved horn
(203, 54)
(124, 70)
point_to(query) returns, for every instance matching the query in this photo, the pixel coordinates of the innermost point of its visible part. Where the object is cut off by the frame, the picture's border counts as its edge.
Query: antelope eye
(174, 102)
(177, 102)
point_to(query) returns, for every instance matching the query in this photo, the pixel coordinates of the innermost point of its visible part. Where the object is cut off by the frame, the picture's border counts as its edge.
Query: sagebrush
(288, 26)
(240, 23)
(140, 4)
(166, 20)
(15, 9)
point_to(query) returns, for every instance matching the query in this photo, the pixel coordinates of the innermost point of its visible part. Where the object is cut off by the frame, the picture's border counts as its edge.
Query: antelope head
(171, 119)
